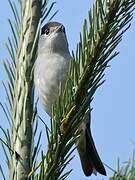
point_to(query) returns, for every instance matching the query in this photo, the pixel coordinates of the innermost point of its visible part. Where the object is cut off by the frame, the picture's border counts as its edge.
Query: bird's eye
(47, 31)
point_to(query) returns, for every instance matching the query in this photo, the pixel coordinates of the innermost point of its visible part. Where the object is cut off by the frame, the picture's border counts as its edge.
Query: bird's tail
(90, 160)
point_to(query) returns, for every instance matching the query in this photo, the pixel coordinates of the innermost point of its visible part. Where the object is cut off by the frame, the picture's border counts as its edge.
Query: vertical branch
(22, 132)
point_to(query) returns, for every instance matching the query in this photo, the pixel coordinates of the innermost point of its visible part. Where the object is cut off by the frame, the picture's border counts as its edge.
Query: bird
(50, 72)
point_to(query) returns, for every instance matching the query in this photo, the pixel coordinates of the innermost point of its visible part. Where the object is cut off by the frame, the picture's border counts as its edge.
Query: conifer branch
(23, 100)
(19, 110)
(108, 21)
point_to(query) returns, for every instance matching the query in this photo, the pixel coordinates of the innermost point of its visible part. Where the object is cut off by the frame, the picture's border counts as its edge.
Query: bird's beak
(60, 28)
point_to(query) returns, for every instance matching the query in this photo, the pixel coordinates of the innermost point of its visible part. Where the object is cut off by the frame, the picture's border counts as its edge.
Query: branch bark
(22, 132)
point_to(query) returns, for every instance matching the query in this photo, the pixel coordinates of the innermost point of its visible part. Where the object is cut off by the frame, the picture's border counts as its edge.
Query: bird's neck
(54, 50)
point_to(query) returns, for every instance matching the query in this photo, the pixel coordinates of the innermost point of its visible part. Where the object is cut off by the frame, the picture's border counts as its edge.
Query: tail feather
(92, 152)
(90, 160)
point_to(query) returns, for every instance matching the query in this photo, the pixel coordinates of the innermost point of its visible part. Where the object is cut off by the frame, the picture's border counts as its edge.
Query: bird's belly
(49, 81)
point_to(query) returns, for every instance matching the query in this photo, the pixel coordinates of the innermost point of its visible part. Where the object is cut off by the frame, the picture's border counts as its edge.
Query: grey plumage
(90, 160)
(51, 66)
(51, 69)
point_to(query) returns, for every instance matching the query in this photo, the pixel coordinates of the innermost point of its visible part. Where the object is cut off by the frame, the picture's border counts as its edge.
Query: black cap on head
(49, 25)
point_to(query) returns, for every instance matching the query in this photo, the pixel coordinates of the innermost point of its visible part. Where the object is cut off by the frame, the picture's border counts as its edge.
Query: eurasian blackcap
(51, 69)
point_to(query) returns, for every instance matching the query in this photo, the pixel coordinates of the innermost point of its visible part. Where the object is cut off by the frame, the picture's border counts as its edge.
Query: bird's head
(53, 38)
